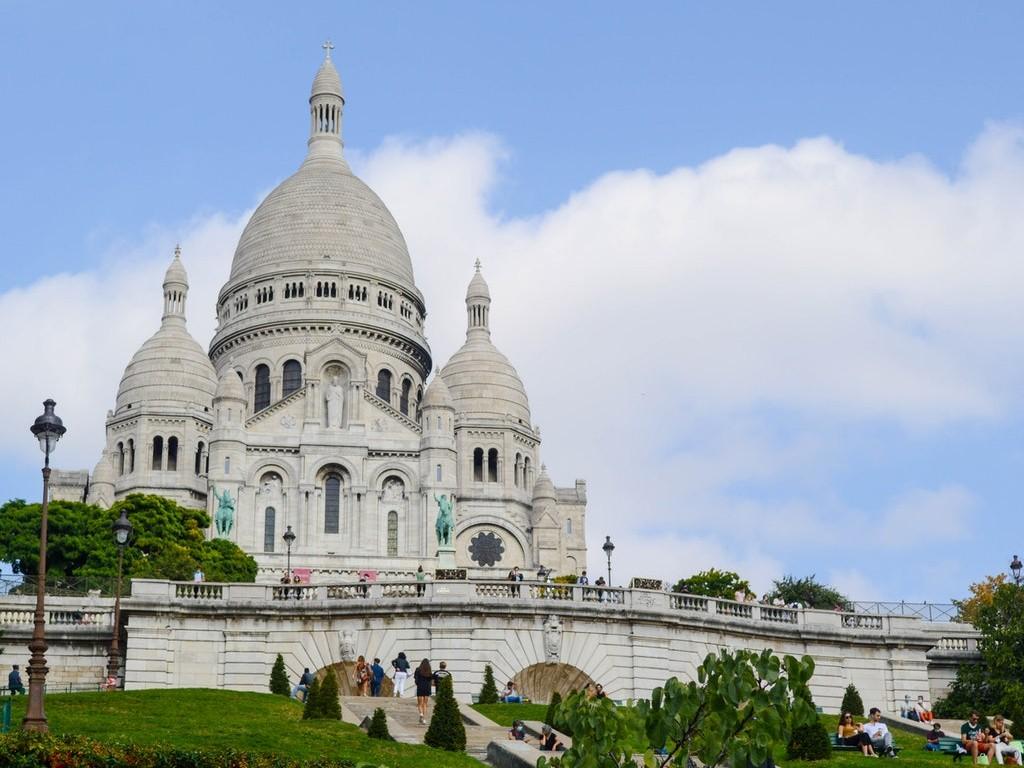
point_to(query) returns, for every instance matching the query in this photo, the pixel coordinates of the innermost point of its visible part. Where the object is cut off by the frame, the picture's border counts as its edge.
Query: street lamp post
(289, 539)
(608, 547)
(122, 529)
(48, 429)
(1015, 569)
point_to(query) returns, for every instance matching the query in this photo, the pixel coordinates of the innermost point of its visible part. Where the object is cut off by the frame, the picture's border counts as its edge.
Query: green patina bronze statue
(445, 526)
(225, 517)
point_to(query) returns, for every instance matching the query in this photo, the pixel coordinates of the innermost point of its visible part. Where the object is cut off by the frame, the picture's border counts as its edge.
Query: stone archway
(345, 672)
(539, 681)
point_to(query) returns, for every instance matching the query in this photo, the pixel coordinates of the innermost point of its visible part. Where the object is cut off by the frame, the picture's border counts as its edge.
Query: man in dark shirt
(549, 740)
(441, 674)
(973, 738)
(303, 684)
(932, 739)
(14, 684)
(376, 677)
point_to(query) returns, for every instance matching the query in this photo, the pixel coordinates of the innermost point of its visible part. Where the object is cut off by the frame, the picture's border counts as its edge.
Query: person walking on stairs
(424, 679)
(401, 667)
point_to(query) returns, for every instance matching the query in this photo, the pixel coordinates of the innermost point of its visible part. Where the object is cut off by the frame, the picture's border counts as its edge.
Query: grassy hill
(204, 718)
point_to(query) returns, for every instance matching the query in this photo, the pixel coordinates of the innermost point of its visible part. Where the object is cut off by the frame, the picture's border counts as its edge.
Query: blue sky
(874, 385)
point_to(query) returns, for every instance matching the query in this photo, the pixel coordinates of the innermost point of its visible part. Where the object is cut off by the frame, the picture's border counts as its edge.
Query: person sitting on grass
(974, 740)
(881, 739)
(549, 740)
(518, 732)
(932, 739)
(1001, 739)
(852, 735)
(510, 695)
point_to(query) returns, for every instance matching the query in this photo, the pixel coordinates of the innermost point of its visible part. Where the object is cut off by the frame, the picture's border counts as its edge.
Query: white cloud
(665, 326)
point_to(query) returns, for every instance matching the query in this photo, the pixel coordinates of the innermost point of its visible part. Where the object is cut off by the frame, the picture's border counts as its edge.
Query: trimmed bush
(24, 748)
(489, 691)
(549, 717)
(379, 726)
(328, 704)
(311, 710)
(810, 742)
(852, 702)
(279, 678)
(446, 730)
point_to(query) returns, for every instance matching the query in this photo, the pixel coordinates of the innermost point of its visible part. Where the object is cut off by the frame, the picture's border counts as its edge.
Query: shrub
(446, 730)
(551, 714)
(489, 691)
(810, 742)
(312, 708)
(379, 726)
(852, 702)
(22, 749)
(328, 704)
(279, 678)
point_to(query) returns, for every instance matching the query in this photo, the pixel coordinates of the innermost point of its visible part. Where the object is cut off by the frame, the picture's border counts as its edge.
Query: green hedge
(30, 750)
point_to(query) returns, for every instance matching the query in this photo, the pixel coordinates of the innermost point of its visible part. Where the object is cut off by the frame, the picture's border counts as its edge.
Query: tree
(852, 702)
(714, 583)
(810, 742)
(379, 726)
(168, 542)
(279, 678)
(740, 707)
(311, 710)
(552, 714)
(489, 691)
(808, 592)
(328, 705)
(982, 594)
(446, 730)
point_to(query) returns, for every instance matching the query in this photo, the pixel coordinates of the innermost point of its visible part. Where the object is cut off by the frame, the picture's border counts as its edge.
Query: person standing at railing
(583, 580)
(515, 577)
(14, 684)
(421, 578)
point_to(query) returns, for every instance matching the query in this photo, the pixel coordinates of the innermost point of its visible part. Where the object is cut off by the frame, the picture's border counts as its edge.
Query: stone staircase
(405, 727)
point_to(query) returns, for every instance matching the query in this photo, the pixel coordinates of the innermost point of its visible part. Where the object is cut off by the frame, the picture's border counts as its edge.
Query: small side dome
(229, 387)
(437, 394)
(103, 473)
(544, 488)
(170, 367)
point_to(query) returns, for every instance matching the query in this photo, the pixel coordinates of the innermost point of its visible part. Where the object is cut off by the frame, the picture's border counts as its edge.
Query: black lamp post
(48, 429)
(1015, 569)
(122, 529)
(608, 548)
(542, 573)
(289, 539)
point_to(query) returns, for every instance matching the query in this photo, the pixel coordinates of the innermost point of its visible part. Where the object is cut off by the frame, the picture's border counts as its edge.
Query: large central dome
(323, 212)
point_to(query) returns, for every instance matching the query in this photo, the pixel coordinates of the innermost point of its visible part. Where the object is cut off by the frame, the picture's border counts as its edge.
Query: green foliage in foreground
(446, 730)
(504, 714)
(489, 691)
(311, 708)
(379, 726)
(551, 715)
(204, 719)
(168, 542)
(852, 702)
(742, 706)
(279, 678)
(809, 742)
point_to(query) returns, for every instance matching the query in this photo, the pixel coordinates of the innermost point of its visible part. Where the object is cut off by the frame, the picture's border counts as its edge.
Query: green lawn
(911, 744)
(206, 718)
(504, 714)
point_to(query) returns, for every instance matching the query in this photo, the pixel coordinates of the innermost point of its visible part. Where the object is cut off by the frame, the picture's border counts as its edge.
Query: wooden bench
(838, 746)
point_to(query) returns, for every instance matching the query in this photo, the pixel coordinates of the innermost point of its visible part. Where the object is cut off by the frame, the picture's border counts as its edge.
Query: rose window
(486, 548)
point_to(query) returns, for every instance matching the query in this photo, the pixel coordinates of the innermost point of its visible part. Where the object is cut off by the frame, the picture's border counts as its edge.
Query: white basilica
(312, 408)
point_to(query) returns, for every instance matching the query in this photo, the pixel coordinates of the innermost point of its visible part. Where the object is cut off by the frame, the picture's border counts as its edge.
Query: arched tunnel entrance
(539, 681)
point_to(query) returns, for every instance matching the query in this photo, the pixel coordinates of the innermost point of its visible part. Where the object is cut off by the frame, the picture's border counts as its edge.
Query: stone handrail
(499, 591)
(19, 612)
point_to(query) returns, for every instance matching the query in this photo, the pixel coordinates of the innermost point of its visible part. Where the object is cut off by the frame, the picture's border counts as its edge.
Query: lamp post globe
(122, 530)
(289, 539)
(48, 429)
(608, 548)
(1015, 568)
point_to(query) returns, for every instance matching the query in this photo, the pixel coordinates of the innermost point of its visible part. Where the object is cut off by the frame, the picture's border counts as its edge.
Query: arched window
(199, 458)
(172, 454)
(392, 534)
(526, 472)
(492, 465)
(269, 529)
(568, 526)
(120, 459)
(291, 380)
(158, 453)
(518, 468)
(403, 400)
(332, 504)
(384, 385)
(437, 475)
(478, 465)
(262, 394)
(131, 456)
(227, 465)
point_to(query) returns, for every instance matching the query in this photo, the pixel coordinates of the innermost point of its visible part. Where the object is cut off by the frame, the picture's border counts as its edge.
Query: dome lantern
(478, 306)
(326, 105)
(175, 290)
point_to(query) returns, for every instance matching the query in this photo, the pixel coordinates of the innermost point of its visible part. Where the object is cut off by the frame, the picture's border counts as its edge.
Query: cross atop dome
(477, 265)
(177, 251)
(328, 46)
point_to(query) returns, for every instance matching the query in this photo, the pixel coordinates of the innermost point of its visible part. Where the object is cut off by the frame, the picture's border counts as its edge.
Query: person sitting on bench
(881, 739)
(549, 740)
(973, 737)
(932, 739)
(852, 735)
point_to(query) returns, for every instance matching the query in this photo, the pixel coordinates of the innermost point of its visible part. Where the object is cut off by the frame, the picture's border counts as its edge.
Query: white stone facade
(311, 408)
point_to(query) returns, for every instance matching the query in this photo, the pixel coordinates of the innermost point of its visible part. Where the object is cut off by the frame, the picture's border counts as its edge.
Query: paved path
(405, 727)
